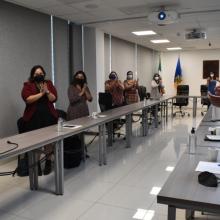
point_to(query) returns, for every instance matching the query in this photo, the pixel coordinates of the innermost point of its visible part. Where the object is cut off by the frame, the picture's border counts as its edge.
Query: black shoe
(39, 169)
(48, 167)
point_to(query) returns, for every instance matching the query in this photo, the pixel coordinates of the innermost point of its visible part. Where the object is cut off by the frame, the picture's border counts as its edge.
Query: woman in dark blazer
(39, 95)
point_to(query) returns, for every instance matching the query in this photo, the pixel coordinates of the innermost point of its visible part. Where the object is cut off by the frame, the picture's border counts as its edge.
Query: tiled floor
(119, 191)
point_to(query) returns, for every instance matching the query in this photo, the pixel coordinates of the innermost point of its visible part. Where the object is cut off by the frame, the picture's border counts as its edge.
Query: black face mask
(80, 82)
(39, 78)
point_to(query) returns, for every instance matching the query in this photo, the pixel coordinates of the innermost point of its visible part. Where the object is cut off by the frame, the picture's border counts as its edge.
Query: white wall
(145, 66)
(192, 68)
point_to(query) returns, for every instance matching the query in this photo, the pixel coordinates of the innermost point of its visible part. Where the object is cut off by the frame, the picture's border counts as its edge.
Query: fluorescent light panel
(155, 190)
(160, 41)
(143, 214)
(174, 48)
(169, 168)
(144, 33)
(140, 214)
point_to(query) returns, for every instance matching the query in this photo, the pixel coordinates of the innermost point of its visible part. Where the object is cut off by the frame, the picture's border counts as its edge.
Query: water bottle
(192, 141)
(60, 124)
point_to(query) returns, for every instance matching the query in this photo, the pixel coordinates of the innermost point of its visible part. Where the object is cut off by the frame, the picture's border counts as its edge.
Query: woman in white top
(157, 88)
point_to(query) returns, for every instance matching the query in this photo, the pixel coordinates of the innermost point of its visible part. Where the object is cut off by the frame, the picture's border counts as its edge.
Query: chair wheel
(118, 135)
(188, 114)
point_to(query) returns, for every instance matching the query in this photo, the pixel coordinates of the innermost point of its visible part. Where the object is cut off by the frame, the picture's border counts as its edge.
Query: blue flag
(178, 73)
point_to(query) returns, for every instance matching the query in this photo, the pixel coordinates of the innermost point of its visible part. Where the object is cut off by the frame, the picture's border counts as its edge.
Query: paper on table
(71, 126)
(211, 167)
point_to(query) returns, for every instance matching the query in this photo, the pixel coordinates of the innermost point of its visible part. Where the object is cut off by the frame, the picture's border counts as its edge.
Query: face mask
(112, 76)
(156, 78)
(212, 75)
(130, 76)
(80, 82)
(39, 78)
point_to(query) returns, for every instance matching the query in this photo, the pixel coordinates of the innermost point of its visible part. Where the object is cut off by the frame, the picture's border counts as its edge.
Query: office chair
(142, 92)
(182, 90)
(105, 103)
(204, 100)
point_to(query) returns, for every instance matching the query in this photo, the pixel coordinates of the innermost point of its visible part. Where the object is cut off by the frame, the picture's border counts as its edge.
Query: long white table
(30, 142)
(182, 189)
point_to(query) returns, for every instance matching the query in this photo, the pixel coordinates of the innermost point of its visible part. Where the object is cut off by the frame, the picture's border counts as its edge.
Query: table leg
(128, 130)
(110, 133)
(156, 116)
(166, 110)
(194, 106)
(100, 144)
(33, 170)
(104, 145)
(82, 139)
(171, 213)
(144, 122)
(189, 214)
(59, 168)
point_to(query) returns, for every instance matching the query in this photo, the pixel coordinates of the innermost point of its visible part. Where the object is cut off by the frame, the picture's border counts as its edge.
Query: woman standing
(116, 88)
(131, 89)
(157, 88)
(39, 95)
(78, 94)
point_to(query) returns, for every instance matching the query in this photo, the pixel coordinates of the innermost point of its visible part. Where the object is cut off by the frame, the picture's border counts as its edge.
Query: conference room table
(182, 189)
(31, 142)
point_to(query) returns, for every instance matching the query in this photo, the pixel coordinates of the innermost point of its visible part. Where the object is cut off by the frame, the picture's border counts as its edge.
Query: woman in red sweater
(39, 95)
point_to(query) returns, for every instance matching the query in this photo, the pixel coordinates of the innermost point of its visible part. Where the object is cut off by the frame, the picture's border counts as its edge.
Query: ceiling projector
(195, 34)
(163, 17)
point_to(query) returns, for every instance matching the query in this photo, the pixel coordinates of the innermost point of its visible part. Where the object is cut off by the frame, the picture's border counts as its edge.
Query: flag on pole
(178, 73)
(159, 66)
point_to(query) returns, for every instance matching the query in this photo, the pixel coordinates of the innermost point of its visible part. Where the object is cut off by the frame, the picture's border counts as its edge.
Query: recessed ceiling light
(144, 33)
(169, 168)
(161, 41)
(174, 48)
(140, 214)
(150, 214)
(155, 190)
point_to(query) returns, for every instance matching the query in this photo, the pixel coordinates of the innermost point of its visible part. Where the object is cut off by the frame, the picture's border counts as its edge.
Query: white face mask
(212, 75)
(156, 78)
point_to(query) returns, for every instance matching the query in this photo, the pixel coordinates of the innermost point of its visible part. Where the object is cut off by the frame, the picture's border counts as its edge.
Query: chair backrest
(61, 114)
(182, 90)
(142, 92)
(204, 92)
(21, 125)
(105, 101)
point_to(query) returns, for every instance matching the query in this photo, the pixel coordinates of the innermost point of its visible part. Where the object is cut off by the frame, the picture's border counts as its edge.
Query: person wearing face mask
(131, 89)
(116, 88)
(39, 95)
(78, 94)
(212, 82)
(157, 88)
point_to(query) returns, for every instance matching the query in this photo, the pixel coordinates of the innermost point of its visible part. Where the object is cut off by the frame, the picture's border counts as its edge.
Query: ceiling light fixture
(174, 48)
(161, 41)
(144, 33)
(155, 190)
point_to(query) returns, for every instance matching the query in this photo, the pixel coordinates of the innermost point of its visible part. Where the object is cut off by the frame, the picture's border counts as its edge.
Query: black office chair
(105, 103)
(142, 92)
(182, 90)
(204, 100)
